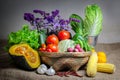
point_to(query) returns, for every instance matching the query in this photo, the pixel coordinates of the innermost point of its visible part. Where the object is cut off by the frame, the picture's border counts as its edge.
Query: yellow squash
(92, 65)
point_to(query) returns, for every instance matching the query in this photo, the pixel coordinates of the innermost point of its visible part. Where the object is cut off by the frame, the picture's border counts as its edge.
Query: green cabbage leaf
(93, 20)
(65, 44)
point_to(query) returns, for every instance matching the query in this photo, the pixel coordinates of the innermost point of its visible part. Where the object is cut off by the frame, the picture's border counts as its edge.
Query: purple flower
(56, 25)
(39, 11)
(37, 20)
(29, 17)
(67, 22)
(51, 22)
(55, 13)
(61, 22)
(73, 19)
(49, 19)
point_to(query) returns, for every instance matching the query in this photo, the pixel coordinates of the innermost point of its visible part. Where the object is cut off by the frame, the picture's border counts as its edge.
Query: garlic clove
(42, 69)
(50, 71)
(43, 66)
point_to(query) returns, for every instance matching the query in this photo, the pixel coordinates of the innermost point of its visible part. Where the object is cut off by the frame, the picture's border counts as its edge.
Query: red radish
(77, 46)
(76, 50)
(70, 50)
(81, 50)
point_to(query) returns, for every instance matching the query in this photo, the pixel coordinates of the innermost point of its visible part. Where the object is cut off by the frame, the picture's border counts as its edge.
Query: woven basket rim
(65, 54)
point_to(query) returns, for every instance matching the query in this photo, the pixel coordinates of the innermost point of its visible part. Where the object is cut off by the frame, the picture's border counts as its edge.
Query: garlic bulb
(50, 71)
(42, 69)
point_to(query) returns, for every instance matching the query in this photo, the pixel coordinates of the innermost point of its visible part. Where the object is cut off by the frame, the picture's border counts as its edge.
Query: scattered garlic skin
(50, 71)
(42, 69)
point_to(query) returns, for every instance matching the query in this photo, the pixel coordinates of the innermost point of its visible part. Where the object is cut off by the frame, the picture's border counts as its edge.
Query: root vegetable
(70, 50)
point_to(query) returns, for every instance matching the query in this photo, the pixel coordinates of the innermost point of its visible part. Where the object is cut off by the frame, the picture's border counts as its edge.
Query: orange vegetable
(52, 39)
(43, 47)
(24, 56)
(52, 47)
(102, 57)
(63, 34)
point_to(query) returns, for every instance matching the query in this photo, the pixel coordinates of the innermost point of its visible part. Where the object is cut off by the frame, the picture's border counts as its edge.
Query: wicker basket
(67, 60)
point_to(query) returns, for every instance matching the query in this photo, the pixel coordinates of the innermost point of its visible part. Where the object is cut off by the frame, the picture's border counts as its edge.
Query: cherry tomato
(43, 47)
(49, 50)
(63, 34)
(52, 39)
(53, 47)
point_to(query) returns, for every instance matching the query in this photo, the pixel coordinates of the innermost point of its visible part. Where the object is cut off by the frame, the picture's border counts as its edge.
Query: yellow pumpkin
(24, 56)
(102, 57)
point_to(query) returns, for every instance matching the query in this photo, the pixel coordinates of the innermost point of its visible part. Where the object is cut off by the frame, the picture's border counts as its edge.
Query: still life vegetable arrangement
(50, 47)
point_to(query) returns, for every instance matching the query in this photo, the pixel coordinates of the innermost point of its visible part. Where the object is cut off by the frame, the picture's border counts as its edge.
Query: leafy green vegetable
(77, 36)
(65, 44)
(83, 42)
(93, 20)
(42, 37)
(77, 26)
(25, 35)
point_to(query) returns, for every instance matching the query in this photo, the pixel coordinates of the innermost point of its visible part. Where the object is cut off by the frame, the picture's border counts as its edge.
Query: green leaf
(93, 20)
(42, 38)
(65, 44)
(25, 35)
(77, 36)
(77, 26)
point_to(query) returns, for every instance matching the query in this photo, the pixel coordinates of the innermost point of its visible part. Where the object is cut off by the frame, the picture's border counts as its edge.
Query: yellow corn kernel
(105, 67)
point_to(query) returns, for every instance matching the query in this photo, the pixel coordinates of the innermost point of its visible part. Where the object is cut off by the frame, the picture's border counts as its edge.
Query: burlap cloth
(8, 71)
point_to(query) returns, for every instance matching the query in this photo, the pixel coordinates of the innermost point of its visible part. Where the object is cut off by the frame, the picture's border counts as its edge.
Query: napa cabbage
(93, 20)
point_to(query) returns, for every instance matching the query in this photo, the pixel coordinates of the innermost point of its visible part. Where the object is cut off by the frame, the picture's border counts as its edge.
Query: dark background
(12, 11)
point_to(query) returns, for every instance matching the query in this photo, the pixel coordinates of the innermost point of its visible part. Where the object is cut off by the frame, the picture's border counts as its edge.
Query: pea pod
(81, 43)
(79, 39)
(89, 47)
(77, 36)
(85, 46)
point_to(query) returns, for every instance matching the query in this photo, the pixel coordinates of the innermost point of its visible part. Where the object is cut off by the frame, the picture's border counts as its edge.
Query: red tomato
(52, 39)
(43, 47)
(53, 47)
(63, 34)
(49, 50)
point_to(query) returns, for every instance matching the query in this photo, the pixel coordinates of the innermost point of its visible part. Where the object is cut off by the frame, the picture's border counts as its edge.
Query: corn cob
(105, 67)
(92, 65)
